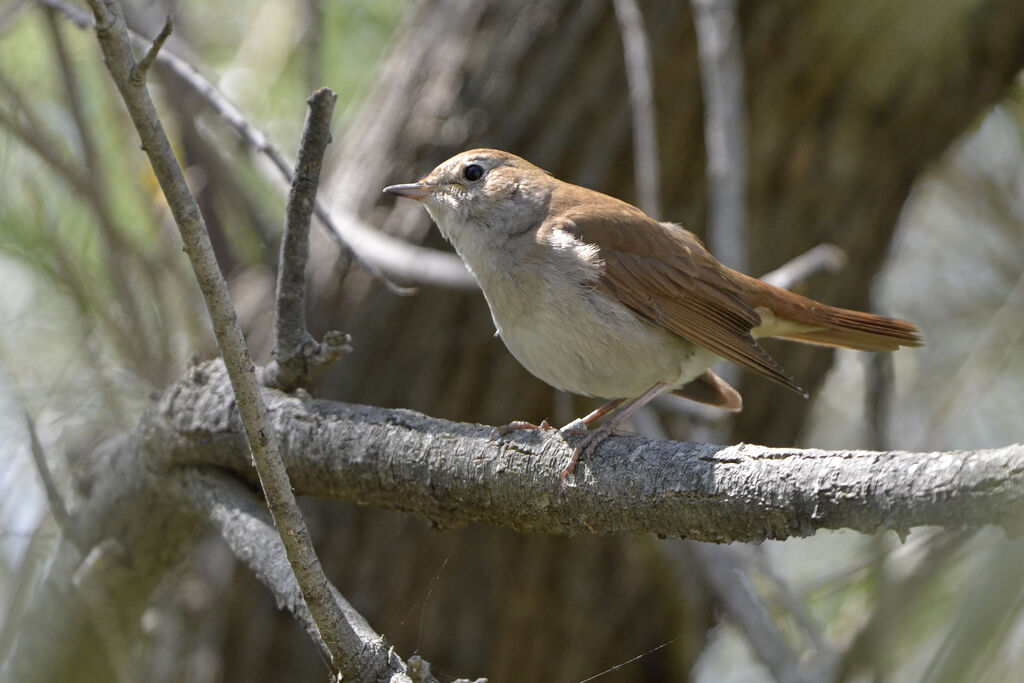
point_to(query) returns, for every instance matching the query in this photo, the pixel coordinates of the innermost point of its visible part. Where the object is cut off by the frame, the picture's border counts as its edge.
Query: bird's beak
(417, 191)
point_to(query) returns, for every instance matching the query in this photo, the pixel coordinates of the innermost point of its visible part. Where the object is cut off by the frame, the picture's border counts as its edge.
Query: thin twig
(721, 68)
(295, 350)
(639, 74)
(57, 506)
(878, 394)
(72, 86)
(351, 657)
(141, 69)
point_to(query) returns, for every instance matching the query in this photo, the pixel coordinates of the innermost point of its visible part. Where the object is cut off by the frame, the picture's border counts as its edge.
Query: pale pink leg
(580, 424)
(591, 441)
(603, 410)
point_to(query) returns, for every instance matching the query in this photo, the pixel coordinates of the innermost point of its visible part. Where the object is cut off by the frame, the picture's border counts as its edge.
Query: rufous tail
(791, 316)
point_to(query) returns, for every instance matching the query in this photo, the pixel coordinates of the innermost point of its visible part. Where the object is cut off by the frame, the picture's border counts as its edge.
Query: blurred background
(892, 130)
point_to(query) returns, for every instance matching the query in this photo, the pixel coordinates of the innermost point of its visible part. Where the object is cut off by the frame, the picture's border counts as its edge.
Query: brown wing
(664, 274)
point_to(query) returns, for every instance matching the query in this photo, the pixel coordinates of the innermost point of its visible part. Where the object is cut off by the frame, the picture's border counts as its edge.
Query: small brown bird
(595, 297)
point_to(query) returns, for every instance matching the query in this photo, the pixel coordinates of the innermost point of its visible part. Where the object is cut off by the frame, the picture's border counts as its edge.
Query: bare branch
(57, 506)
(409, 262)
(72, 86)
(244, 524)
(141, 69)
(348, 651)
(637, 51)
(453, 474)
(822, 258)
(721, 68)
(295, 351)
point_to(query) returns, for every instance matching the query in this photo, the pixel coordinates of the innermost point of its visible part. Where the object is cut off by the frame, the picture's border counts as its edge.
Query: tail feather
(802, 319)
(711, 389)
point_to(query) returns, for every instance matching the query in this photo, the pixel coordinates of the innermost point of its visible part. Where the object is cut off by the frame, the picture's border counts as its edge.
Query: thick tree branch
(453, 474)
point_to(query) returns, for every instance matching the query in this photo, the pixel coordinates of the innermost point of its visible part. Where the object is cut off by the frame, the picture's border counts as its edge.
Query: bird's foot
(587, 447)
(517, 426)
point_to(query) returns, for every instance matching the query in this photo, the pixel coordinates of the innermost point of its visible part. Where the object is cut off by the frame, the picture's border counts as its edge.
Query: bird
(595, 297)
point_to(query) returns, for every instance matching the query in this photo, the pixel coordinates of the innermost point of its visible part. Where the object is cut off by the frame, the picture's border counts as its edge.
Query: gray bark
(453, 474)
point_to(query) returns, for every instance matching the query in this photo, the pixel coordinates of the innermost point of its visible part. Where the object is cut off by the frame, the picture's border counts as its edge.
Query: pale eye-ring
(473, 172)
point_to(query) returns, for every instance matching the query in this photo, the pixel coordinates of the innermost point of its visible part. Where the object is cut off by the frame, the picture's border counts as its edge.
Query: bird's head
(482, 193)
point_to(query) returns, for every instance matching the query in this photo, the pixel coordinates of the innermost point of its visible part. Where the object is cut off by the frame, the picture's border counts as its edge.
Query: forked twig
(295, 350)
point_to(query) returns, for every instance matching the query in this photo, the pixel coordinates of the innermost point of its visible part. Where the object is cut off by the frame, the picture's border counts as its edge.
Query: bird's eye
(473, 172)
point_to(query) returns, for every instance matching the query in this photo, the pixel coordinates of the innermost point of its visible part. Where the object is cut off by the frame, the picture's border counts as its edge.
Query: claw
(516, 426)
(587, 447)
(571, 465)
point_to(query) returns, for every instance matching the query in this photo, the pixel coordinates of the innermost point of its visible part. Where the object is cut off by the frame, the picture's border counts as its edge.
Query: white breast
(565, 332)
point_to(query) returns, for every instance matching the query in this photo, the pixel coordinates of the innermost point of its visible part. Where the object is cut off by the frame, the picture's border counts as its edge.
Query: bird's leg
(591, 441)
(577, 426)
(580, 424)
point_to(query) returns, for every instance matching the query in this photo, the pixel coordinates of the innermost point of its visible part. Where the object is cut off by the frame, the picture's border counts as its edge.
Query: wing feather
(666, 276)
